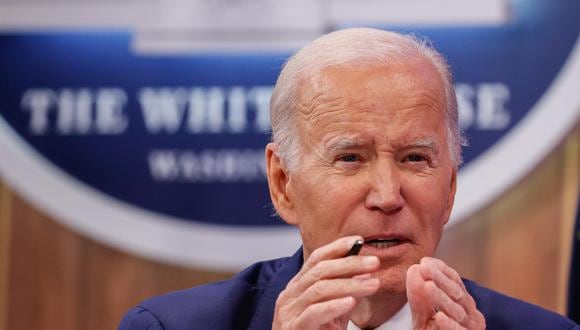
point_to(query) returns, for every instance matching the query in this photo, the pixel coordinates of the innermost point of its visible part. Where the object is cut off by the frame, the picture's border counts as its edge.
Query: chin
(393, 279)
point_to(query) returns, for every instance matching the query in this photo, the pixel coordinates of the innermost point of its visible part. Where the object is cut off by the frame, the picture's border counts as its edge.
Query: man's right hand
(325, 291)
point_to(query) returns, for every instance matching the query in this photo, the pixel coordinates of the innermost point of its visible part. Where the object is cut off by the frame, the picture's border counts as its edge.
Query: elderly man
(365, 147)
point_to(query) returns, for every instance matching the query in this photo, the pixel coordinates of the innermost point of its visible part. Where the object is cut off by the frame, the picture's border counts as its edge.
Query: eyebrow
(425, 143)
(345, 143)
(352, 143)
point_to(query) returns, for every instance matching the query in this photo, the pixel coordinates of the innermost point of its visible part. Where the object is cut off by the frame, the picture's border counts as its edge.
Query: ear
(452, 191)
(278, 180)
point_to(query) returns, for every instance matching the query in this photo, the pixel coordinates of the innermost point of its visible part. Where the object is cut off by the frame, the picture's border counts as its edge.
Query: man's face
(374, 162)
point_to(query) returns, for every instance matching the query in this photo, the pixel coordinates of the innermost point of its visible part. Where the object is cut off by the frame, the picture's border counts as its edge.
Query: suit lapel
(264, 314)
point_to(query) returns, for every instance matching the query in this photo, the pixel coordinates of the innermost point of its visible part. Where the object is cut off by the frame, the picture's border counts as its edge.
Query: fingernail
(353, 240)
(371, 282)
(370, 261)
(346, 300)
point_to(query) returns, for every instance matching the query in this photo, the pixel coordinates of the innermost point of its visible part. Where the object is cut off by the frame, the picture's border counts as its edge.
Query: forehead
(402, 79)
(401, 95)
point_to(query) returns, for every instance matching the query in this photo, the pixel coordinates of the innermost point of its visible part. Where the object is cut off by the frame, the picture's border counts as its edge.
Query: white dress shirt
(400, 321)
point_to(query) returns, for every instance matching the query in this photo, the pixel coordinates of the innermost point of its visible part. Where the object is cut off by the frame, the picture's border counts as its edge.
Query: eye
(415, 158)
(349, 158)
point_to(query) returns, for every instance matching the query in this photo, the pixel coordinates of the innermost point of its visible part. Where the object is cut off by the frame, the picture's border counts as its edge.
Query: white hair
(346, 48)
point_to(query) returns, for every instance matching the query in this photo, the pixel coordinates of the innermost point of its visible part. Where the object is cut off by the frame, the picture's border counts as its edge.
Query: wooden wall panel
(44, 272)
(60, 280)
(53, 278)
(520, 244)
(4, 253)
(122, 281)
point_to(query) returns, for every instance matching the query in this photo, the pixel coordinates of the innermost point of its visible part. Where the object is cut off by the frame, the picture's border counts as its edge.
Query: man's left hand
(438, 298)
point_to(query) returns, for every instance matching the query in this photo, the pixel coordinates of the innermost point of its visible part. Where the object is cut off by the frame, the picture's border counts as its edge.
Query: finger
(330, 289)
(336, 249)
(462, 296)
(442, 302)
(450, 282)
(336, 268)
(444, 322)
(452, 274)
(433, 269)
(337, 288)
(421, 306)
(473, 319)
(447, 271)
(314, 267)
(476, 320)
(322, 313)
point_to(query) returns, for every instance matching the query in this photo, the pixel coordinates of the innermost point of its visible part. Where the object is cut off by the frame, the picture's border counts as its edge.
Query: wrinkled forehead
(362, 85)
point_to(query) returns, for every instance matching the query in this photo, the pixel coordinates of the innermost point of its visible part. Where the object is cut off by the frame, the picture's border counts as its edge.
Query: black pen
(355, 249)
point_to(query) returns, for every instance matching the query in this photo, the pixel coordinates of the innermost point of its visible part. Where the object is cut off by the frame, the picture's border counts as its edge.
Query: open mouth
(380, 243)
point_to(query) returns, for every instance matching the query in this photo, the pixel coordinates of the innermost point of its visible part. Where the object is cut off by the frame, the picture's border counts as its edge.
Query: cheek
(323, 208)
(428, 198)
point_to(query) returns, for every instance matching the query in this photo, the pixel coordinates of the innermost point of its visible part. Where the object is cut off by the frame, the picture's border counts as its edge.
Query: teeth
(384, 244)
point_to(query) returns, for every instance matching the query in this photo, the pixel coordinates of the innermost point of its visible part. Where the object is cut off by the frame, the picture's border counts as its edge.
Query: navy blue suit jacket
(247, 301)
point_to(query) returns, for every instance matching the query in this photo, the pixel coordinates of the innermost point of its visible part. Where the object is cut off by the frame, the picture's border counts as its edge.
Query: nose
(385, 189)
